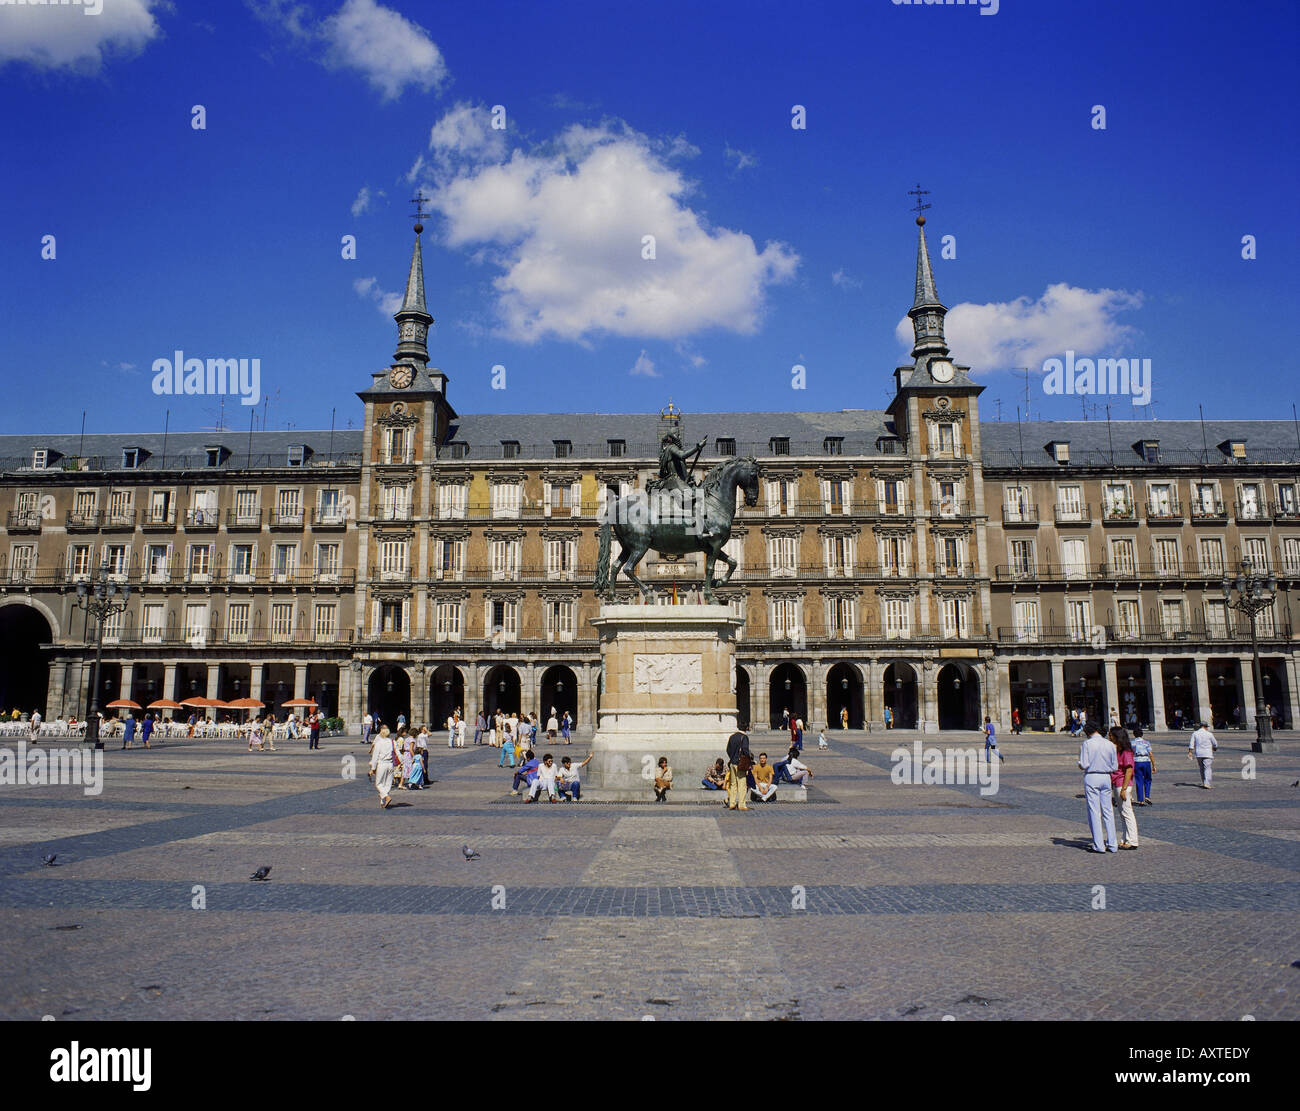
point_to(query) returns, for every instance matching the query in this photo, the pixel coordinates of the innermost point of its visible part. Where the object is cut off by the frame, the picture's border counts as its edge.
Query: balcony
(118, 520)
(393, 513)
(1286, 512)
(329, 519)
(202, 520)
(158, 520)
(1119, 513)
(1209, 513)
(27, 520)
(82, 520)
(1251, 511)
(1020, 516)
(1166, 512)
(1072, 515)
(949, 507)
(292, 520)
(1016, 572)
(243, 520)
(1102, 636)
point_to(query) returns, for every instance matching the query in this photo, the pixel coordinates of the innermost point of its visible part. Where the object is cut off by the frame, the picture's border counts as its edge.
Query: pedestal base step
(696, 796)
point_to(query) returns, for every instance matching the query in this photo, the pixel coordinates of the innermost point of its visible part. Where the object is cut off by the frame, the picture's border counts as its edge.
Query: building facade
(908, 562)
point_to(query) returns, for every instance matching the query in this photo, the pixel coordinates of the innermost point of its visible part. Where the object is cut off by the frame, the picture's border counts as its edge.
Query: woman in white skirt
(383, 759)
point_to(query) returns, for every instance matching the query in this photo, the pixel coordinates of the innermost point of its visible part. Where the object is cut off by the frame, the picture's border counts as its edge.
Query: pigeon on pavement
(469, 854)
(49, 858)
(261, 873)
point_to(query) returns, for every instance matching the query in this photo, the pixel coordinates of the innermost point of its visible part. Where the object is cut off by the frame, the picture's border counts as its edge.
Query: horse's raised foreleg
(629, 567)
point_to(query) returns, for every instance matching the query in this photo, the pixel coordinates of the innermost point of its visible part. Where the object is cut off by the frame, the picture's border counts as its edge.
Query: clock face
(401, 376)
(942, 371)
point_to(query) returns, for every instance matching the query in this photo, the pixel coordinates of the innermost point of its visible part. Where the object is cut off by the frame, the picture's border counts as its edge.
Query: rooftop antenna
(1020, 432)
(999, 401)
(1026, 370)
(419, 200)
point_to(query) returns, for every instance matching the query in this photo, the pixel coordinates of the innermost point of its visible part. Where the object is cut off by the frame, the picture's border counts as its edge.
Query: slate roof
(1095, 444)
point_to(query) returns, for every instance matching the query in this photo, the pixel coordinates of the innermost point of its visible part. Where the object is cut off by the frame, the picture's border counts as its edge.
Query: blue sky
(774, 246)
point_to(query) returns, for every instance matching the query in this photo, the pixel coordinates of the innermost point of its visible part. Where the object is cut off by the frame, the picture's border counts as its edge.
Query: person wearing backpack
(739, 762)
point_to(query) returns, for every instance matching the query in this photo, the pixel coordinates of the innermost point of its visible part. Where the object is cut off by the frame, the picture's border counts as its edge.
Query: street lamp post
(1254, 594)
(100, 599)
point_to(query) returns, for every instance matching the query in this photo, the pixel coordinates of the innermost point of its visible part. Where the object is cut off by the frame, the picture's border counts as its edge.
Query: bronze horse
(676, 522)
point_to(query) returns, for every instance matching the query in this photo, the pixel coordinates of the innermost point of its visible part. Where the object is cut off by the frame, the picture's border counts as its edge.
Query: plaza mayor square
(658, 513)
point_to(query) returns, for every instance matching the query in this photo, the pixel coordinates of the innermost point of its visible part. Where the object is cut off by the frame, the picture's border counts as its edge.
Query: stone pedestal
(668, 688)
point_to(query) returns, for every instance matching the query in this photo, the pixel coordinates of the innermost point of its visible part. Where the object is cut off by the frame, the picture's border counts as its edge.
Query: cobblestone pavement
(873, 900)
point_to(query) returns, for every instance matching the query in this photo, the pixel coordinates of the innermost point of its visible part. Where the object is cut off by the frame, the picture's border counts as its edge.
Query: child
(507, 750)
(255, 737)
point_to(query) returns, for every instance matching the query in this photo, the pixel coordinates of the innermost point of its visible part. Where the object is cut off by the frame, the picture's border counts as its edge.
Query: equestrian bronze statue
(676, 516)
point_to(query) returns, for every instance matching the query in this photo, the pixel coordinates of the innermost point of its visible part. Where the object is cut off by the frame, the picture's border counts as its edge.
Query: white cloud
(51, 36)
(564, 223)
(644, 366)
(362, 203)
(693, 357)
(1024, 332)
(369, 288)
(390, 50)
(845, 280)
(742, 159)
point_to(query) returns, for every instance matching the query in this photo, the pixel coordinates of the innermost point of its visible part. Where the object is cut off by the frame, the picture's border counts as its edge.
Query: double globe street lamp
(1254, 593)
(100, 599)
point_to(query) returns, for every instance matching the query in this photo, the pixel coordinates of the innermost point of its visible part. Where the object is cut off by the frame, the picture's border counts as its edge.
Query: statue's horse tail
(602, 559)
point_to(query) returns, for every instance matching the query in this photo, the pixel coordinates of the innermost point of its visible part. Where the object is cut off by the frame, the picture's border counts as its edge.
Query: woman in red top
(1121, 783)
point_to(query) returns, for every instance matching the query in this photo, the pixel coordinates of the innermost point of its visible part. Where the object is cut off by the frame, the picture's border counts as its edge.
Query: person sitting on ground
(764, 789)
(567, 779)
(663, 781)
(547, 773)
(715, 779)
(793, 771)
(527, 772)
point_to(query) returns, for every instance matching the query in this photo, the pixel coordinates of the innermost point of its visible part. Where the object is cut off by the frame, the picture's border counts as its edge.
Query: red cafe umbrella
(245, 704)
(122, 704)
(163, 704)
(299, 702)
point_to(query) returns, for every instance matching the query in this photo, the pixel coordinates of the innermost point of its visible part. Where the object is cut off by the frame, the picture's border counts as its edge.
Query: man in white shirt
(568, 781)
(1201, 749)
(792, 770)
(36, 724)
(547, 773)
(1097, 759)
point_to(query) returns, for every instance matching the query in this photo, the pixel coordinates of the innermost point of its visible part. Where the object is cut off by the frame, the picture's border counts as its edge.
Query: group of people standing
(399, 761)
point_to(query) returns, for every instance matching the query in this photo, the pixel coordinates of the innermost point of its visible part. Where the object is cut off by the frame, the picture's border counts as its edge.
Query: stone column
(928, 695)
(54, 696)
(1292, 693)
(256, 673)
(81, 687)
(588, 677)
(1112, 690)
(470, 678)
(1246, 667)
(418, 677)
(346, 683)
(1058, 692)
(760, 697)
(873, 702)
(529, 695)
(128, 675)
(1004, 694)
(214, 677)
(817, 698)
(300, 680)
(1156, 686)
(1203, 710)
(169, 682)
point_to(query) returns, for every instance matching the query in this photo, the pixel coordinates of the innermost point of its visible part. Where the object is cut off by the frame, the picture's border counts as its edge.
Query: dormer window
(1060, 450)
(887, 445)
(726, 445)
(216, 455)
(1150, 450)
(509, 449)
(297, 455)
(563, 448)
(617, 448)
(457, 449)
(1237, 450)
(41, 458)
(833, 445)
(130, 458)
(779, 445)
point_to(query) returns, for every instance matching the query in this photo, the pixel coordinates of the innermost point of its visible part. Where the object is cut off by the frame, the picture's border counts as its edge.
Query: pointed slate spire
(413, 317)
(927, 311)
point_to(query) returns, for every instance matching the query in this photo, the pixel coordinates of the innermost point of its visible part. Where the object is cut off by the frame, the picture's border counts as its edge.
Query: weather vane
(419, 200)
(918, 193)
